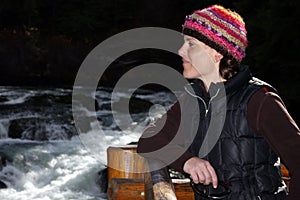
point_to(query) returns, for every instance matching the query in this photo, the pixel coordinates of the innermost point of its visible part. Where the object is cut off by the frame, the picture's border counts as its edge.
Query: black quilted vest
(241, 156)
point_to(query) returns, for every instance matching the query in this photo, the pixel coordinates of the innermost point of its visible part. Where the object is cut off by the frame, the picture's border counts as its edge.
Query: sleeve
(268, 115)
(160, 135)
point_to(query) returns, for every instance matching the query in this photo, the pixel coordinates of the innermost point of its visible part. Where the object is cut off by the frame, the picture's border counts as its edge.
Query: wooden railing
(127, 180)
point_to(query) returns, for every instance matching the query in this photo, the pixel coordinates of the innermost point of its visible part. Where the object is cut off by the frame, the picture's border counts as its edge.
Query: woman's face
(198, 58)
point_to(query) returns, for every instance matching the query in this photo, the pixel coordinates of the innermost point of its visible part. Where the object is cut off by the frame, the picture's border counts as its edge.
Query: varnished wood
(124, 162)
(127, 180)
(127, 172)
(285, 175)
(125, 189)
(183, 190)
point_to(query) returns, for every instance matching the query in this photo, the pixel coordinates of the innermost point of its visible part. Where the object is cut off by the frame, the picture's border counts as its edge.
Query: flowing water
(43, 157)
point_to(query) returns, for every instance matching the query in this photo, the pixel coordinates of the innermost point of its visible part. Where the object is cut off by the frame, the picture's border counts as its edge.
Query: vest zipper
(209, 102)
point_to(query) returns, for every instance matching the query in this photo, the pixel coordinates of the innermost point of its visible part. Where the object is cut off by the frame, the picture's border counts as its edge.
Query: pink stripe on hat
(219, 28)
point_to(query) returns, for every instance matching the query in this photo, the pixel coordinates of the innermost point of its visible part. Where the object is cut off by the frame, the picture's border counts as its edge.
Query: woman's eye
(191, 44)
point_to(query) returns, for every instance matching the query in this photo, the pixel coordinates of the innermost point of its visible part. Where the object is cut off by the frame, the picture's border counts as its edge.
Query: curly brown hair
(228, 67)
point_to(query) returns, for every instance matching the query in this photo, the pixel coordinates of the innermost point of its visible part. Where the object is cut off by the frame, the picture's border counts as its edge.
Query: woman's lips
(185, 61)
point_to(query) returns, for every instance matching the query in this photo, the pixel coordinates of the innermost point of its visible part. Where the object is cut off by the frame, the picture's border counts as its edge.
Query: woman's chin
(189, 76)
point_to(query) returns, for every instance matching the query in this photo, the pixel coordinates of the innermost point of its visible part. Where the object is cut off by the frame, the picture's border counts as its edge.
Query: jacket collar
(239, 80)
(196, 87)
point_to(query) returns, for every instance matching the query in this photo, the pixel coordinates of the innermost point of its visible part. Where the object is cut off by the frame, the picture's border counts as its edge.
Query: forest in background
(43, 42)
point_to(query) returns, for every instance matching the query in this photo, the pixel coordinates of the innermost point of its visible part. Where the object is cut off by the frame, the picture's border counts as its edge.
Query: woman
(255, 127)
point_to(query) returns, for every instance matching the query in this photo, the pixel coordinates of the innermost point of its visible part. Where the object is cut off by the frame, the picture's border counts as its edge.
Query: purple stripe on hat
(200, 23)
(223, 26)
(229, 22)
(237, 53)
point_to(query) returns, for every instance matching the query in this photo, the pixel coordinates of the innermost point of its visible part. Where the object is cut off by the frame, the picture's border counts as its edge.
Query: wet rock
(103, 180)
(49, 99)
(136, 105)
(40, 129)
(3, 99)
(2, 185)
(15, 129)
(2, 163)
(85, 101)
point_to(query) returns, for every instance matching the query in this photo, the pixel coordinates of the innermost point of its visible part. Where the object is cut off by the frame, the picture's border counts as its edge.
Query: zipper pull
(206, 111)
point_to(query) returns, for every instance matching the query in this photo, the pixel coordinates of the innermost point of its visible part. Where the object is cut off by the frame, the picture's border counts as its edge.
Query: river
(43, 155)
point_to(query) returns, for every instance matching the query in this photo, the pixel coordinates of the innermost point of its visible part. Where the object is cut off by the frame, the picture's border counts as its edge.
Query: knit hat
(219, 28)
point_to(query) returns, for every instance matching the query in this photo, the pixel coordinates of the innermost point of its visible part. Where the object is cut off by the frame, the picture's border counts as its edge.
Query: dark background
(43, 42)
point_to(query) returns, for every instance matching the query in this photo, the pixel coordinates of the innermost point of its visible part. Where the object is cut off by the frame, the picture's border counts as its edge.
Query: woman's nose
(181, 51)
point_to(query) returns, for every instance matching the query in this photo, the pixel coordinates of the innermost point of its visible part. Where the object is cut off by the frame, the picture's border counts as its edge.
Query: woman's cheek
(199, 60)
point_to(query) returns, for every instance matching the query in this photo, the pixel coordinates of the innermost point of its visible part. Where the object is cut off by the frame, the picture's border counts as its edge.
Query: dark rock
(136, 105)
(2, 185)
(103, 180)
(49, 99)
(15, 129)
(3, 99)
(1, 165)
(39, 129)
(82, 99)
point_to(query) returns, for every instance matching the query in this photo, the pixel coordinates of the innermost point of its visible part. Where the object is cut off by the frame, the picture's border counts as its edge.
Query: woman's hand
(201, 171)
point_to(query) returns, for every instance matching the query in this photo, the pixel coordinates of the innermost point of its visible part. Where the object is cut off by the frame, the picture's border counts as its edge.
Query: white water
(50, 170)
(59, 168)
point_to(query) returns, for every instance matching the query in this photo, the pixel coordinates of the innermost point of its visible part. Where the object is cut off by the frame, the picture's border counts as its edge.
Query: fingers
(204, 175)
(201, 171)
(198, 177)
(214, 178)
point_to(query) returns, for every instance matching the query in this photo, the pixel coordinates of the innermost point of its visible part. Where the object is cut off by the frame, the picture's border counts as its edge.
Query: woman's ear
(218, 57)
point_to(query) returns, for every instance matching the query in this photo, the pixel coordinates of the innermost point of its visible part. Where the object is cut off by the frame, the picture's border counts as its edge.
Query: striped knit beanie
(219, 28)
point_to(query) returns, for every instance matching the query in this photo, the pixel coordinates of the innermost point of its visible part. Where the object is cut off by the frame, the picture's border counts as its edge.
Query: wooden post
(125, 164)
(124, 189)
(148, 187)
(128, 178)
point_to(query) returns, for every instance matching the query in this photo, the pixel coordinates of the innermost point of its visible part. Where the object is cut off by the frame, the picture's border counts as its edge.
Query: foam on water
(52, 170)
(63, 168)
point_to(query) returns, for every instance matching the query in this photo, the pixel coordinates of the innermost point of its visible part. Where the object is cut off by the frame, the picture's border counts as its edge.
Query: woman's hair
(228, 67)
